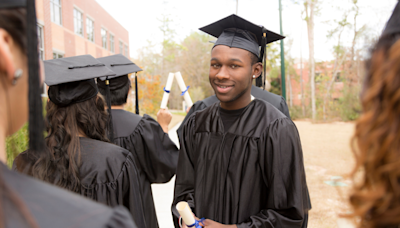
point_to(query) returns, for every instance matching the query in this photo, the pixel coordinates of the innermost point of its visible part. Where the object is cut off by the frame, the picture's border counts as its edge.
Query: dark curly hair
(64, 126)
(375, 198)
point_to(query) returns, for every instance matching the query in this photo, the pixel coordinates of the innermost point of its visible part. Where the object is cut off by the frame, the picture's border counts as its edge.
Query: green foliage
(349, 105)
(16, 144)
(296, 112)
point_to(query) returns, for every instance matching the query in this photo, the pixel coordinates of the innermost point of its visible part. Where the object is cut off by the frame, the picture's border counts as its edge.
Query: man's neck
(237, 104)
(117, 106)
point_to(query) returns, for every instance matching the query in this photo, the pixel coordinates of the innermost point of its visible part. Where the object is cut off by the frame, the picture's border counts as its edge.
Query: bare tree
(309, 6)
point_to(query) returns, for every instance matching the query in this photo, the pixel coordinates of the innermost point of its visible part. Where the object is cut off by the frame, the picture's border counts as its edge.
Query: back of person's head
(64, 126)
(376, 194)
(119, 94)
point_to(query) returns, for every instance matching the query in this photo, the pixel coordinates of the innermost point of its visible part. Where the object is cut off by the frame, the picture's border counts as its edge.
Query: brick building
(77, 27)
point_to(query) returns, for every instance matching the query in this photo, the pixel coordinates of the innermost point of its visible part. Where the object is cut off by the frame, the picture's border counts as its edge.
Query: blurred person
(145, 138)
(241, 162)
(24, 201)
(375, 198)
(80, 157)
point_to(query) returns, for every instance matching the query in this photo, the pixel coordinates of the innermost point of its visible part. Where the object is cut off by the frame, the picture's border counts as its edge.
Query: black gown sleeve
(184, 183)
(284, 108)
(199, 105)
(281, 161)
(156, 153)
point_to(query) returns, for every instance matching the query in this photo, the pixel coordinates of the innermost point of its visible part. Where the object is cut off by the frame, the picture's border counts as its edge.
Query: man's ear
(6, 57)
(257, 69)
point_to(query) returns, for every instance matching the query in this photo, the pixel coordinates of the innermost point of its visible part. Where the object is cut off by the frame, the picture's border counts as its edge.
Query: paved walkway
(163, 193)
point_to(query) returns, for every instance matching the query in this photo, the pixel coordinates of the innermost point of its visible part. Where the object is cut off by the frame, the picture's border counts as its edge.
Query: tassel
(260, 80)
(110, 122)
(136, 95)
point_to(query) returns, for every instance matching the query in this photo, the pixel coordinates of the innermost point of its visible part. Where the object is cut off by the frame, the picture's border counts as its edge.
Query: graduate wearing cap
(144, 137)
(241, 161)
(80, 157)
(26, 202)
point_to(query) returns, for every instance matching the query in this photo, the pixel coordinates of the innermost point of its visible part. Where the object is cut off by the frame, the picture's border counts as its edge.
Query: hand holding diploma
(189, 218)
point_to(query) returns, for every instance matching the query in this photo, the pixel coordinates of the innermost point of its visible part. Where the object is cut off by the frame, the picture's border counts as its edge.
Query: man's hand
(164, 117)
(212, 224)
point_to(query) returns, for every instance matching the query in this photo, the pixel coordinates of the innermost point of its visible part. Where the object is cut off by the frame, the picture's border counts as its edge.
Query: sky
(142, 20)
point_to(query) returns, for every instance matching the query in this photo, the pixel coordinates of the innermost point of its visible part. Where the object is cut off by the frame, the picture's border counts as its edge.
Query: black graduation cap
(36, 123)
(122, 66)
(393, 25)
(234, 31)
(71, 80)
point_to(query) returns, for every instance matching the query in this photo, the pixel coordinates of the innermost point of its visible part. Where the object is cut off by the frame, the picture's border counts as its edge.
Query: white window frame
(87, 29)
(58, 53)
(104, 42)
(53, 5)
(121, 44)
(112, 44)
(77, 11)
(126, 50)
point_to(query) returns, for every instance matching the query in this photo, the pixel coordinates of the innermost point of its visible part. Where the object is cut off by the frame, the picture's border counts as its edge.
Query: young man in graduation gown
(241, 161)
(79, 156)
(145, 138)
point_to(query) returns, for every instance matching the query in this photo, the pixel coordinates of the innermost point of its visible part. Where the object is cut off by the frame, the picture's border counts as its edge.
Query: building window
(90, 29)
(57, 55)
(40, 41)
(112, 49)
(121, 47)
(126, 51)
(55, 11)
(78, 22)
(104, 38)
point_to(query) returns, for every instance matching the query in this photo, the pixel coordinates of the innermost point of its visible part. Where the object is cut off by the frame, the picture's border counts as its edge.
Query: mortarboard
(71, 80)
(393, 25)
(122, 66)
(234, 31)
(36, 123)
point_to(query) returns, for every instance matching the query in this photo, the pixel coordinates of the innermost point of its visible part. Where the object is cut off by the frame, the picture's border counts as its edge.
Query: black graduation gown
(251, 175)
(109, 175)
(156, 154)
(276, 100)
(52, 207)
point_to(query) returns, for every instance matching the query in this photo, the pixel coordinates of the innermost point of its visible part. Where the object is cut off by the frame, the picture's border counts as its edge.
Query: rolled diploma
(168, 86)
(182, 86)
(185, 212)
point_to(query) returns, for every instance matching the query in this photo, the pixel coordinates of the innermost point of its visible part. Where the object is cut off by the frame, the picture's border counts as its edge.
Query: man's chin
(224, 98)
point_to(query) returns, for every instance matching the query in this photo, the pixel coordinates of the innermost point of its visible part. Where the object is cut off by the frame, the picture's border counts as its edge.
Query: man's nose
(223, 73)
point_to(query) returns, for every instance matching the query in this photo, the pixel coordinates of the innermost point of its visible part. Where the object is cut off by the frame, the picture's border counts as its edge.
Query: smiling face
(231, 75)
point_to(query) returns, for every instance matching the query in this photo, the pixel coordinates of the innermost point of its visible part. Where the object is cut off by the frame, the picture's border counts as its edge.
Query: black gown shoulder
(155, 153)
(51, 206)
(276, 101)
(109, 175)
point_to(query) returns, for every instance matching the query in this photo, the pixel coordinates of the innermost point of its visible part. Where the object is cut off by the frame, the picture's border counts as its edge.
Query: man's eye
(234, 66)
(215, 65)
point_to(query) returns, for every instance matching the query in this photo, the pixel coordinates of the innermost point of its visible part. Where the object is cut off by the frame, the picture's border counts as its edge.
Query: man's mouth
(223, 88)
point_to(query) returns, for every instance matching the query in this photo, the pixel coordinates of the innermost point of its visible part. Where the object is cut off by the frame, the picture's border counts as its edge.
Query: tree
(340, 55)
(309, 6)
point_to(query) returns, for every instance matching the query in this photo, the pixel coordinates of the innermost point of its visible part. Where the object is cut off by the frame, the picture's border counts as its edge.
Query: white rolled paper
(182, 86)
(185, 212)
(168, 86)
